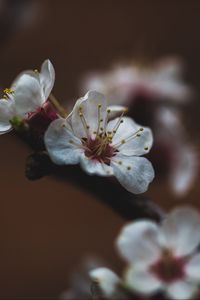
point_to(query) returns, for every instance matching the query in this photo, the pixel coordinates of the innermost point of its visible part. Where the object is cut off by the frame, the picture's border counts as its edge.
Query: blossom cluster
(87, 136)
(104, 137)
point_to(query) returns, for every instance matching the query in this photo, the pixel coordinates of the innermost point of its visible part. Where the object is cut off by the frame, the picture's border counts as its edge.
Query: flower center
(99, 149)
(169, 268)
(98, 144)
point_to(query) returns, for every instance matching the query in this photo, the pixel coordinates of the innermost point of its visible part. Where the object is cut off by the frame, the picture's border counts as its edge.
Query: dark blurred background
(46, 227)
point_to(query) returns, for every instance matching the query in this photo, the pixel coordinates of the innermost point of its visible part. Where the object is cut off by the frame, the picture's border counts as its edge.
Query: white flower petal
(142, 281)
(134, 173)
(63, 147)
(47, 78)
(89, 104)
(180, 231)
(181, 290)
(127, 131)
(106, 279)
(192, 268)
(6, 114)
(27, 94)
(92, 167)
(138, 243)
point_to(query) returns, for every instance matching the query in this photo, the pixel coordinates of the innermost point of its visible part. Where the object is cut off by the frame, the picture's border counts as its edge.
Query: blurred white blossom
(160, 81)
(161, 258)
(101, 146)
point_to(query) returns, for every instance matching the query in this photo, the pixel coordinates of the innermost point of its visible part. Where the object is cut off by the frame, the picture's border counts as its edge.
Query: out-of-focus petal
(138, 243)
(180, 231)
(192, 268)
(181, 290)
(143, 281)
(106, 279)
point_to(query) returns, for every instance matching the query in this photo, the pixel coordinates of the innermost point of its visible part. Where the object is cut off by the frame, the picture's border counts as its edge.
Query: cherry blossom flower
(27, 97)
(160, 81)
(161, 258)
(101, 146)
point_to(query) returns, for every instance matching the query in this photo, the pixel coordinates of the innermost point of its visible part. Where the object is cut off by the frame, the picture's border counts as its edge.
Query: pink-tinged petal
(180, 231)
(63, 147)
(131, 138)
(138, 243)
(47, 78)
(181, 290)
(106, 279)
(93, 167)
(192, 268)
(142, 281)
(6, 114)
(134, 173)
(27, 94)
(93, 107)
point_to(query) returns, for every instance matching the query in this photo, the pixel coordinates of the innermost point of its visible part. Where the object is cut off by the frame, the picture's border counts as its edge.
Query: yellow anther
(123, 141)
(138, 135)
(141, 129)
(101, 120)
(8, 91)
(101, 128)
(88, 127)
(99, 105)
(108, 111)
(80, 114)
(146, 148)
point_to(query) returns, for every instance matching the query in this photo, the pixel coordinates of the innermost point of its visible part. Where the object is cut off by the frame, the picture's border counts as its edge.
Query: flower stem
(62, 112)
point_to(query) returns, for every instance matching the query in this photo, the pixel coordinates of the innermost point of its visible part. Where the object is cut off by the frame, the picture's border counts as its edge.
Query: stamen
(84, 122)
(120, 121)
(129, 168)
(128, 139)
(99, 118)
(106, 120)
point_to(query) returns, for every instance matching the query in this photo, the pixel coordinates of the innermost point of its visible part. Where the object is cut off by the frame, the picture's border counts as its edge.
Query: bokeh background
(46, 227)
